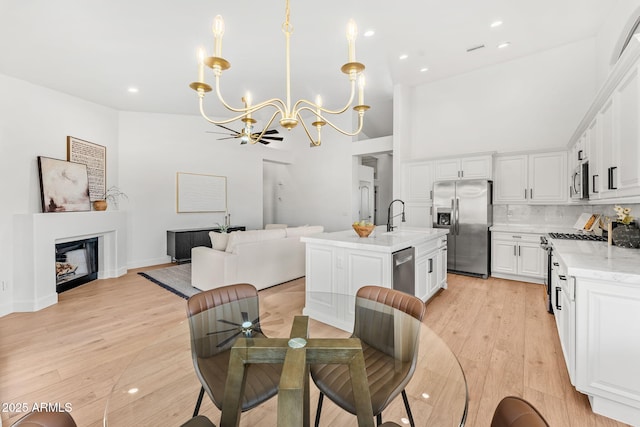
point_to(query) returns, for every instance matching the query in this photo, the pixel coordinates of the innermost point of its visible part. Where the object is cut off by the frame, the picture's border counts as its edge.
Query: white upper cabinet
(626, 114)
(531, 178)
(417, 181)
(473, 167)
(546, 177)
(511, 179)
(609, 133)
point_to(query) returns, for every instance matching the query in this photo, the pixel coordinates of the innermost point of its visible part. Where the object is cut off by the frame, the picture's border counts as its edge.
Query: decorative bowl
(363, 230)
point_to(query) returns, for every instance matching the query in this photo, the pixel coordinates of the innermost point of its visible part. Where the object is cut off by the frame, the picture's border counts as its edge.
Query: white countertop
(598, 260)
(532, 228)
(380, 240)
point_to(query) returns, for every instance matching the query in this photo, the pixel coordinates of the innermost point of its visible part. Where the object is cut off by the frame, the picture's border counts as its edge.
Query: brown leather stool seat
(516, 412)
(198, 421)
(46, 419)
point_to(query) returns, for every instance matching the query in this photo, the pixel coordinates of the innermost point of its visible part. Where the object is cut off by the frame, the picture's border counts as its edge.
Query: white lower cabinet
(517, 256)
(607, 357)
(431, 268)
(562, 300)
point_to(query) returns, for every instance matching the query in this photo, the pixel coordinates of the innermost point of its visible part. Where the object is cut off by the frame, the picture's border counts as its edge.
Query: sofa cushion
(305, 230)
(219, 240)
(240, 237)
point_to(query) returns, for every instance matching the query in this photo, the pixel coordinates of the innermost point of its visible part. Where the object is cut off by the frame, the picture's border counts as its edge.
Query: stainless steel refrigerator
(465, 208)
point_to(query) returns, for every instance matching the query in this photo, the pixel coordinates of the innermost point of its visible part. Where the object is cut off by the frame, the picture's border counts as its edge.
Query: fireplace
(34, 240)
(76, 263)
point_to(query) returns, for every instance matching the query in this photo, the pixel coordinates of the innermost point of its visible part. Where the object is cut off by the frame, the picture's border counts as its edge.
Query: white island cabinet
(597, 305)
(340, 263)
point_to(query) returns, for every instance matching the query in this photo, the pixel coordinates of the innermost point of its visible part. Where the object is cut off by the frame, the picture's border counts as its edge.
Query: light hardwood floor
(76, 350)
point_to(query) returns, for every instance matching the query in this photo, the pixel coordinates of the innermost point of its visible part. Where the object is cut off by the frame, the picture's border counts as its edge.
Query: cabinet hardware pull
(558, 306)
(514, 250)
(556, 264)
(430, 265)
(580, 155)
(431, 194)
(525, 193)
(461, 174)
(531, 193)
(517, 237)
(562, 277)
(593, 184)
(611, 183)
(519, 250)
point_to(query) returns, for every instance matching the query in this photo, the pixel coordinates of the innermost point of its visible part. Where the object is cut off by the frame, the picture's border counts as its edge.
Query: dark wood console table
(180, 242)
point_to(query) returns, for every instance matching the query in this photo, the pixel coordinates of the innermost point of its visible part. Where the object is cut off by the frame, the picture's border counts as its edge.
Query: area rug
(176, 279)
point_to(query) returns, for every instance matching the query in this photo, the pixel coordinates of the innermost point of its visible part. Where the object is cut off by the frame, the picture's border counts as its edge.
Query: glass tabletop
(160, 387)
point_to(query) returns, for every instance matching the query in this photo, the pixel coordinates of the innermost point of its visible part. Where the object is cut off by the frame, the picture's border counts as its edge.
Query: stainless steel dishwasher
(404, 264)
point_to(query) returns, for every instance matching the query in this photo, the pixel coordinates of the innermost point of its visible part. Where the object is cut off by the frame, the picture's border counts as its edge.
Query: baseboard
(518, 278)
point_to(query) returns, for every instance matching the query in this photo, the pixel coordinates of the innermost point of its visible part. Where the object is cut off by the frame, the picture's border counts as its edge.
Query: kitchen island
(595, 296)
(340, 263)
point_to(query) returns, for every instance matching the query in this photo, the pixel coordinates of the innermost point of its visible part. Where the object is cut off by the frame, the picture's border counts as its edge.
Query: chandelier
(289, 115)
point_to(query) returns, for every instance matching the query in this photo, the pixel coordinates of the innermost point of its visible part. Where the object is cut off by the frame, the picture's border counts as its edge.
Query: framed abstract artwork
(64, 186)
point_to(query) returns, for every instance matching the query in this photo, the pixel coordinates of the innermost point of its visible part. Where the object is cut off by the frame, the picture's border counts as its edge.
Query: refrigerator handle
(457, 216)
(452, 226)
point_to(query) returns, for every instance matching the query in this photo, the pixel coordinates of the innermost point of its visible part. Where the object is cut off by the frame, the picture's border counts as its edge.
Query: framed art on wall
(64, 186)
(95, 157)
(201, 193)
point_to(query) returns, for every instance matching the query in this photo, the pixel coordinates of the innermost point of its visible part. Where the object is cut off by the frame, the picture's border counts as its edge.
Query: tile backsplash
(552, 215)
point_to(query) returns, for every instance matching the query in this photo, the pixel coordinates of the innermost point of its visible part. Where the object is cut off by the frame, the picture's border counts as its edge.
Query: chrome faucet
(390, 225)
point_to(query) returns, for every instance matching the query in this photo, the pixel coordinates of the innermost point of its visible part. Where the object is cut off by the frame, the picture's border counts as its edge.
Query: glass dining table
(159, 387)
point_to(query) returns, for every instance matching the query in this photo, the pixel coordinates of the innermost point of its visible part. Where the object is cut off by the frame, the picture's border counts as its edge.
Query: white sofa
(262, 258)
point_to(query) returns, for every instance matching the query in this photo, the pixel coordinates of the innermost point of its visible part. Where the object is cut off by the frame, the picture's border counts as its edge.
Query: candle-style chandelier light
(289, 116)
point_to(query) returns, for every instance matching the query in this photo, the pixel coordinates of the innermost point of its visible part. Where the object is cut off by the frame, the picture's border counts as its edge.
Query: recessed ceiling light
(369, 33)
(132, 90)
(495, 24)
(503, 45)
(424, 69)
(404, 56)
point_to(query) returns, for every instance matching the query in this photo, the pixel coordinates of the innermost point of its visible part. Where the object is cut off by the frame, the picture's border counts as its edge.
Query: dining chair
(217, 317)
(46, 419)
(390, 349)
(514, 411)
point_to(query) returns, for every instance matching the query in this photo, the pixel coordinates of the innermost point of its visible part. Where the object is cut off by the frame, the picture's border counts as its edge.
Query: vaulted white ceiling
(97, 49)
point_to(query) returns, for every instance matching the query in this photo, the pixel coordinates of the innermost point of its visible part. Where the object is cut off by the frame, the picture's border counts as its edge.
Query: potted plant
(112, 195)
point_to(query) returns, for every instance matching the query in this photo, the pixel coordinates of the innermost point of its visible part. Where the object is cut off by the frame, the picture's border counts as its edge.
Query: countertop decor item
(624, 215)
(626, 233)
(363, 230)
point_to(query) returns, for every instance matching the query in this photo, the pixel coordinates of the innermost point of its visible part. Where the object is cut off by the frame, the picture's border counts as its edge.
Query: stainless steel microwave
(579, 188)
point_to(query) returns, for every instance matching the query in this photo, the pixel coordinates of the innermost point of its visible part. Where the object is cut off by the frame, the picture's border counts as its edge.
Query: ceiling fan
(234, 134)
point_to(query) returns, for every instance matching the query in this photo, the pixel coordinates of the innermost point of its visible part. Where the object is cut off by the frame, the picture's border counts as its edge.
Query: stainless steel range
(577, 236)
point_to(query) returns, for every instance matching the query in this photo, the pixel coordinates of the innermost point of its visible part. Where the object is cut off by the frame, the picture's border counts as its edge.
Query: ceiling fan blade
(229, 129)
(220, 133)
(275, 138)
(262, 141)
(271, 131)
(231, 338)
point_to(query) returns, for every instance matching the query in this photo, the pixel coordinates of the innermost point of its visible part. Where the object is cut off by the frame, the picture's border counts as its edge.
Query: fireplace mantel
(35, 236)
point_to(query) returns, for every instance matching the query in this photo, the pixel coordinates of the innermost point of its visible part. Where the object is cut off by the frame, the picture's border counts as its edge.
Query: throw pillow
(219, 240)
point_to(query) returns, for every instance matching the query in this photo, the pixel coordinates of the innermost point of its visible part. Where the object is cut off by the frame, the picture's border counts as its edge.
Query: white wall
(35, 121)
(153, 148)
(534, 102)
(317, 186)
